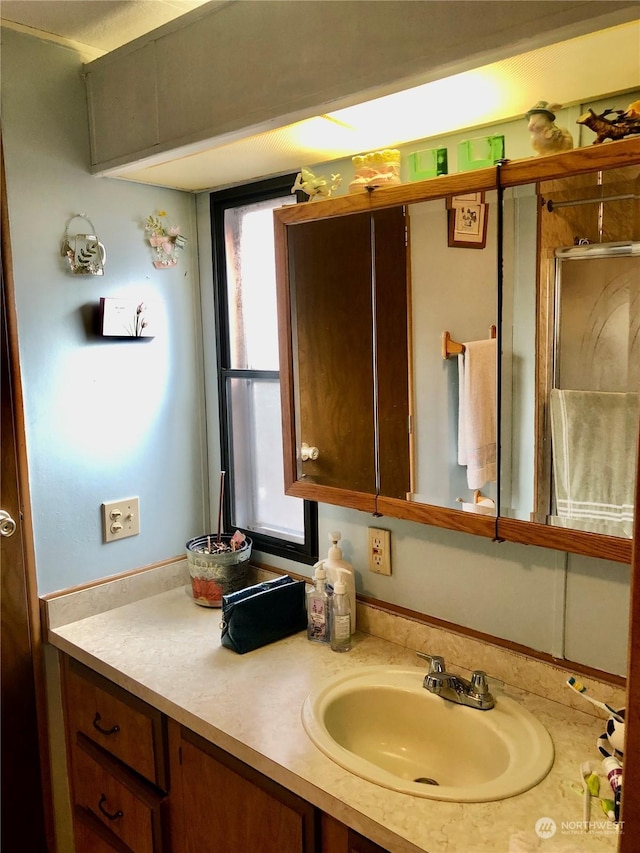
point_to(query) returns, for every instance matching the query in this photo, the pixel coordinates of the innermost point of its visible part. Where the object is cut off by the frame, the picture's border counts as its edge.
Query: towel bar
(477, 497)
(451, 347)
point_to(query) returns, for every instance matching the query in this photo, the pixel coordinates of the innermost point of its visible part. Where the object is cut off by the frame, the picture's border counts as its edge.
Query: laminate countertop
(166, 650)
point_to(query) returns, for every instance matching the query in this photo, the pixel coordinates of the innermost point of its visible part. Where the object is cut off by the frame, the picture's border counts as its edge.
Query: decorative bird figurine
(612, 124)
(546, 136)
(315, 186)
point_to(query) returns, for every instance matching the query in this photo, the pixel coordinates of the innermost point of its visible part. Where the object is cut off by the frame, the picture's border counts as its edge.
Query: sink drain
(425, 780)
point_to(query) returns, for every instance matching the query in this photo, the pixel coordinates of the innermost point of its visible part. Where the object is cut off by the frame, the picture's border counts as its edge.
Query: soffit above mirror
(500, 91)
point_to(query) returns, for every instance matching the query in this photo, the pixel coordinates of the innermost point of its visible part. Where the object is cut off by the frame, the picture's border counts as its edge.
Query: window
(248, 372)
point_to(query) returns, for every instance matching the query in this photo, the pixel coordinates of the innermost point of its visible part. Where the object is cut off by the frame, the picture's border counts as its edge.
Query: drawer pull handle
(114, 816)
(102, 731)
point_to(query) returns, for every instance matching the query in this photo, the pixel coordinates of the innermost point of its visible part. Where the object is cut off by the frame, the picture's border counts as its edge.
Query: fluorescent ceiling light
(567, 72)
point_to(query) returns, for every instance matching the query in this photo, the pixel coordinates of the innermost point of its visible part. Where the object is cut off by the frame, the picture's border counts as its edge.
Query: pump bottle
(340, 615)
(332, 564)
(318, 607)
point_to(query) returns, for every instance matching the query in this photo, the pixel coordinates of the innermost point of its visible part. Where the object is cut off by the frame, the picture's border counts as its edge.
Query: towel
(594, 448)
(477, 419)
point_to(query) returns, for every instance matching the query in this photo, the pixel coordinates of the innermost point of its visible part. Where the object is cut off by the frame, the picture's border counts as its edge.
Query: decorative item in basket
(85, 253)
(218, 565)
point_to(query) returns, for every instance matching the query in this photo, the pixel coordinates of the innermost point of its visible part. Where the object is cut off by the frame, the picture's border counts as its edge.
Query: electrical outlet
(120, 519)
(380, 551)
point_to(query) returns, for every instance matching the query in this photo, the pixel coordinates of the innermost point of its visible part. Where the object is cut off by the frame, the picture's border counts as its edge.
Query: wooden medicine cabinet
(370, 284)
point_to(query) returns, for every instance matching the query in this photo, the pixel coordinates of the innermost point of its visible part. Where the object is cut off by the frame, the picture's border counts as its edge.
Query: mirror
(363, 320)
(571, 352)
(376, 405)
(453, 285)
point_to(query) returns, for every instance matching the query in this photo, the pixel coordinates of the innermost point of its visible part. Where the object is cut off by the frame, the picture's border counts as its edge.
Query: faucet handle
(479, 684)
(436, 662)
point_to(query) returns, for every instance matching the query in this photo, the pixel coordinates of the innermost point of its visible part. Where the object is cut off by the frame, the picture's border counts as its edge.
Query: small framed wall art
(125, 318)
(468, 221)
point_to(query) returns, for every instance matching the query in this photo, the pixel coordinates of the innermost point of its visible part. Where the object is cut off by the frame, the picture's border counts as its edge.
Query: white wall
(107, 420)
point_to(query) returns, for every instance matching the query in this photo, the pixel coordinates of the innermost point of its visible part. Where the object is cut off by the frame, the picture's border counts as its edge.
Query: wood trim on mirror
(285, 346)
(437, 516)
(332, 495)
(565, 539)
(622, 152)
(630, 817)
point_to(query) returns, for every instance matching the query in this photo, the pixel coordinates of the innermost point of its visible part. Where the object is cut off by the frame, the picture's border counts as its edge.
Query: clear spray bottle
(318, 617)
(340, 615)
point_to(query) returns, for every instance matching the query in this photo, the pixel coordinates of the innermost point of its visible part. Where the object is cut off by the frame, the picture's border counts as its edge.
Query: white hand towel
(594, 448)
(477, 419)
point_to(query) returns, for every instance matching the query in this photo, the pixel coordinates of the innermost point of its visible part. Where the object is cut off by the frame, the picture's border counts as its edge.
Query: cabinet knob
(307, 452)
(7, 524)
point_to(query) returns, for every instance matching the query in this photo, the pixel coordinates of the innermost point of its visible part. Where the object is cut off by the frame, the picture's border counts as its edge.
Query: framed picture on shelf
(468, 221)
(464, 200)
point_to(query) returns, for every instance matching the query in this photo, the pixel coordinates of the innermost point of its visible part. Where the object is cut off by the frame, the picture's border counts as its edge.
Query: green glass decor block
(428, 163)
(480, 152)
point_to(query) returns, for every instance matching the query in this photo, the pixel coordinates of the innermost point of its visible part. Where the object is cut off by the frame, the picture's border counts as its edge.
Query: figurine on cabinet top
(315, 186)
(376, 169)
(546, 136)
(612, 124)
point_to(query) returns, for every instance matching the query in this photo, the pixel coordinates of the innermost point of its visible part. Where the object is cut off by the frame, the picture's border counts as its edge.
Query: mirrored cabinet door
(331, 320)
(571, 368)
(454, 351)
(348, 307)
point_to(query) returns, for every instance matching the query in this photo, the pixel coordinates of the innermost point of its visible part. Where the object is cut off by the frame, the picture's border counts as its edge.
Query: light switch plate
(120, 519)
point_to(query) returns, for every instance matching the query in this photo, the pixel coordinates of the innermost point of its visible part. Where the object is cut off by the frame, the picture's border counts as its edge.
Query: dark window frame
(306, 552)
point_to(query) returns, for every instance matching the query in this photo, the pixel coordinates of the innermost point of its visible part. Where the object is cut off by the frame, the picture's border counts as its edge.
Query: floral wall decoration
(84, 252)
(165, 238)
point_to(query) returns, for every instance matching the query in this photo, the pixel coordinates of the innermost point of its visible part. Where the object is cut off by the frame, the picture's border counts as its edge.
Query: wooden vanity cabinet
(216, 796)
(338, 838)
(124, 756)
(218, 803)
(117, 763)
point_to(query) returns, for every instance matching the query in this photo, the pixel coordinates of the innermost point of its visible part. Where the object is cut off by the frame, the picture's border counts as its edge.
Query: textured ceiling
(100, 24)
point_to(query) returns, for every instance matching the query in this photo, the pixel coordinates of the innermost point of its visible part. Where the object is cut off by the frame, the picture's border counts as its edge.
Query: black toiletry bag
(263, 613)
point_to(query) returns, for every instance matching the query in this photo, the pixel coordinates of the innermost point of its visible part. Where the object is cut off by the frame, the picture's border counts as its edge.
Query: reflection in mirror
(570, 424)
(453, 273)
(593, 405)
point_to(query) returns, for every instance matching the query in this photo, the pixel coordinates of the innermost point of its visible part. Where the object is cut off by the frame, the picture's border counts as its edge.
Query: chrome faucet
(454, 688)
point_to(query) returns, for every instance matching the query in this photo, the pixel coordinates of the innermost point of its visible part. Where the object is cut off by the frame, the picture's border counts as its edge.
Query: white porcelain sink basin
(381, 724)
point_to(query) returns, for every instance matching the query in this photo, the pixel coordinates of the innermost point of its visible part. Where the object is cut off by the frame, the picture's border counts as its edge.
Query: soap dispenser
(340, 614)
(334, 562)
(318, 607)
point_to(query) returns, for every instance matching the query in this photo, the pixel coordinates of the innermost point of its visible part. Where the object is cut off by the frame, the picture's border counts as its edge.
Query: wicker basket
(215, 575)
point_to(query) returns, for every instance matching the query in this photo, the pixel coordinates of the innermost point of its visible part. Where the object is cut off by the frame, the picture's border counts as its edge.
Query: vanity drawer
(125, 806)
(125, 726)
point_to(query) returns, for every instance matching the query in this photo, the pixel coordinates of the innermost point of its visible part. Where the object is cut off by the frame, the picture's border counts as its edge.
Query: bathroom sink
(382, 725)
